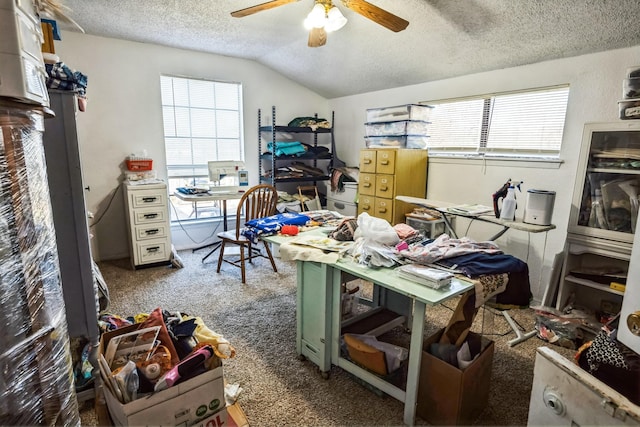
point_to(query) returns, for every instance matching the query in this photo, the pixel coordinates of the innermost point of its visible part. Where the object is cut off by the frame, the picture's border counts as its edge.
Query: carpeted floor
(258, 318)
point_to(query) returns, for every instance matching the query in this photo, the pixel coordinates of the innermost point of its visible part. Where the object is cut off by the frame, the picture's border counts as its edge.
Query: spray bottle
(508, 211)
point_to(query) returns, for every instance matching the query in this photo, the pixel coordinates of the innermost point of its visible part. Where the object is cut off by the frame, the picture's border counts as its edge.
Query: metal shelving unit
(270, 133)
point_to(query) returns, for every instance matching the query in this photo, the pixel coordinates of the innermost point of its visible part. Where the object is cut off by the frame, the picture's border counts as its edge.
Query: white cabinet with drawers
(344, 202)
(148, 223)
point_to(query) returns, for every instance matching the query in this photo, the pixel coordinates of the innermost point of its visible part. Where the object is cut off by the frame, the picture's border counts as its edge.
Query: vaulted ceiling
(445, 38)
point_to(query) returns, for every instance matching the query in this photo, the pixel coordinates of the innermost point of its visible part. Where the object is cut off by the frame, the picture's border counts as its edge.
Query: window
(202, 123)
(518, 125)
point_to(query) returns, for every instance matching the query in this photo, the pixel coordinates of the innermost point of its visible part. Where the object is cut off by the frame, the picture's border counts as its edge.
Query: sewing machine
(227, 176)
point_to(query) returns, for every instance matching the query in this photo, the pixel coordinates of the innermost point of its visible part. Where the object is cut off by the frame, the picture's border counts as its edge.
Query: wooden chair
(258, 202)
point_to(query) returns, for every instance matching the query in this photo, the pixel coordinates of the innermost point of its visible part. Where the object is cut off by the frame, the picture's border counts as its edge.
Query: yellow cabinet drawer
(368, 161)
(383, 208)
(366, 204)
(385, 186)
(386, 161)
(367, 184)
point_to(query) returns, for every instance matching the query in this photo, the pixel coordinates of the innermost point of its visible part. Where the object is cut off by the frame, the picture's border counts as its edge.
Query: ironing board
(489, 217)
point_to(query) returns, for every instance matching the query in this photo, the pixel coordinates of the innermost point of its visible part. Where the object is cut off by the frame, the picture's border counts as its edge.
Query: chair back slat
(257, 202)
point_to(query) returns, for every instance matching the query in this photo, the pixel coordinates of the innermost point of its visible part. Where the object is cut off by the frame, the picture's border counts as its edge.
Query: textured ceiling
(445, 38)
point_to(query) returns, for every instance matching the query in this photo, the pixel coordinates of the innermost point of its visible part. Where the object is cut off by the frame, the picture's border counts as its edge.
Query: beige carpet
(259, 320)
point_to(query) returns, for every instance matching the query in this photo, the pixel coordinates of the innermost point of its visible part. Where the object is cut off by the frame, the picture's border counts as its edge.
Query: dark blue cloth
(518, 291)
(479, 263)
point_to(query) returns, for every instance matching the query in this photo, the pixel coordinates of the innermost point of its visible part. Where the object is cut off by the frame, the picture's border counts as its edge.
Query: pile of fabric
(493, 273)
(310, 122)
(61, 77)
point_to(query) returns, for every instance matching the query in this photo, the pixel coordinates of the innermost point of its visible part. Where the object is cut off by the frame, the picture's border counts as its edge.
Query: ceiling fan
(325, 17)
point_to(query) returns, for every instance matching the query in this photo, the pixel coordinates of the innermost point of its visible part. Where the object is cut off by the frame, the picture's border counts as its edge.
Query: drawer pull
(150, 215)
(384, 188)
(382, 210)
(153, 249)
(366, 208)
(338, 205)
(384, 162)
(152, 231)
(366, 161)
(149, 199)
(366, 184)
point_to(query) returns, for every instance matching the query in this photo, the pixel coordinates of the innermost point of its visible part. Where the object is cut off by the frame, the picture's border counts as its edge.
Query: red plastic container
(140, 165)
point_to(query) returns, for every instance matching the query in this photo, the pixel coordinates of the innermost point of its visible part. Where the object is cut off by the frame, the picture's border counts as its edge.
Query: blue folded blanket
(286, 148)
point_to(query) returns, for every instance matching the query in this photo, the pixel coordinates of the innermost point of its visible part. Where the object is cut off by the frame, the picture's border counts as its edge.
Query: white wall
(124, 115)
(595, 87)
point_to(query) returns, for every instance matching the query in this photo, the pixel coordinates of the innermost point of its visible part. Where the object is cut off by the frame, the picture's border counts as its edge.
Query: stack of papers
(474, 209)
(424, 275)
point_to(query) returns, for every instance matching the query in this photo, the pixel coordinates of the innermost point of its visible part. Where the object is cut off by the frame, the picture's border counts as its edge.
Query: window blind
(529, 123)
(202, 122)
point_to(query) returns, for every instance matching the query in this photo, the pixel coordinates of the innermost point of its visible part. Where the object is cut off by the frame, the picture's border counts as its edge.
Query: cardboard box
(450, 396)
(231, 416)
(185, 404)
(219, 419)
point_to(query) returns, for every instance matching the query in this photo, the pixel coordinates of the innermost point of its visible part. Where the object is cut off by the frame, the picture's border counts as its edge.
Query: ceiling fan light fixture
(317, 18)
(335, 20)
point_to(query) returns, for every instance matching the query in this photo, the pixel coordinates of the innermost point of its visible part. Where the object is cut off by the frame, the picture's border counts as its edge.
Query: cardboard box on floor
(231, 416)
(185, 404)
(450, 396)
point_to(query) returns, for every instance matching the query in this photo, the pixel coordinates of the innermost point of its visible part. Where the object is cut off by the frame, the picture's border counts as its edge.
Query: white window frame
(197, 112)
(472, 138)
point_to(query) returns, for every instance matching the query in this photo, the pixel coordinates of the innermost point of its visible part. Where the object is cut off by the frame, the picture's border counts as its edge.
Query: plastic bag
(375, 241)
(376, 229)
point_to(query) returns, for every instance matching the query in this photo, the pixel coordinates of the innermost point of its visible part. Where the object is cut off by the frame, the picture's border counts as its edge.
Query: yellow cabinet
(386, 173)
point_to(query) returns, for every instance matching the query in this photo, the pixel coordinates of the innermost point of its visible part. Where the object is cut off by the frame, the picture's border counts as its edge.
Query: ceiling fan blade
(260, 7)
(317, 37)
(380, 16)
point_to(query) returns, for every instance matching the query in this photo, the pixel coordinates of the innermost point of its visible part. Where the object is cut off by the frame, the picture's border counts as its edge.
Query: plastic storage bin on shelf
(631, 88)
(398, 141)
(400, 112)
(629, 109)
(399, 127)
